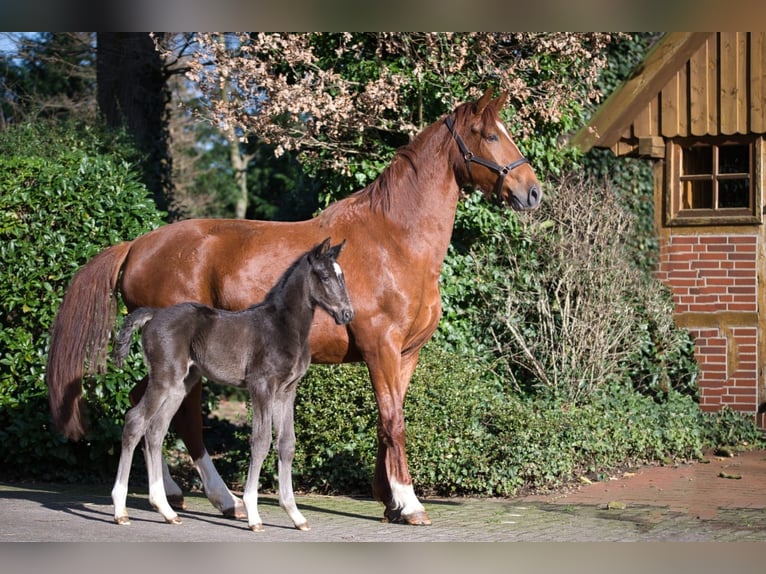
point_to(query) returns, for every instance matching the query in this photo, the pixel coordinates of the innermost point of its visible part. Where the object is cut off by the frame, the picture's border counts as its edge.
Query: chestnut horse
(397, 230)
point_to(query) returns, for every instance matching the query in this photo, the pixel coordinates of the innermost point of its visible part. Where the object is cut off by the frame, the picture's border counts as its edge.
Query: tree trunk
(133, 94)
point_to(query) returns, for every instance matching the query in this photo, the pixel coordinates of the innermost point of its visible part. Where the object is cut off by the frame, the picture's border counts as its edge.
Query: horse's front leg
(284, 428)
(260, 441)
(391, 373)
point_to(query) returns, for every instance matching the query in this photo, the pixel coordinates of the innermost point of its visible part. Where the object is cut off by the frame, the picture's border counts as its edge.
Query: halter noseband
(489, 164)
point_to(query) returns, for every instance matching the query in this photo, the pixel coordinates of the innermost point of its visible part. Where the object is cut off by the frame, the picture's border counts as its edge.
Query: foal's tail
(80, 334)
(135, 320)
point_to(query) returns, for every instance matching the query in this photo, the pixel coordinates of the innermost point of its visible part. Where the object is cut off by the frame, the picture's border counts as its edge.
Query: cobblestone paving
(66, 514)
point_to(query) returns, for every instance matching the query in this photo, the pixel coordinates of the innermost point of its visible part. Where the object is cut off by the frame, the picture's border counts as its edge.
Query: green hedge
(468, 435)
(65, 194)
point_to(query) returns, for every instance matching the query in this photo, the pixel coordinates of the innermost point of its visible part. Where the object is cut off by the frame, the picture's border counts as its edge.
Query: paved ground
(722, 500)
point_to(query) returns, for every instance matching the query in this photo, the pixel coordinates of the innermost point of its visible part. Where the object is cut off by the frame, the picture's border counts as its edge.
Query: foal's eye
(324, 277)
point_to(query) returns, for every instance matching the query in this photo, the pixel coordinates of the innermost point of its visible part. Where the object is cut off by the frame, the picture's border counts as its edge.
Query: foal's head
(327, 286)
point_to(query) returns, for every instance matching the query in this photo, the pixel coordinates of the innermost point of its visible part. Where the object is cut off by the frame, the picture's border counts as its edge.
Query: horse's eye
(324, 277)
(492, 138)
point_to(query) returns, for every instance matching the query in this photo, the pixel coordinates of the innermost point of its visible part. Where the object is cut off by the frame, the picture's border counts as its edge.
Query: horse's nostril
(534, 195)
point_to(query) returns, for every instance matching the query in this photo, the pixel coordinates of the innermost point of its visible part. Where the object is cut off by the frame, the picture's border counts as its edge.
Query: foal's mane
(282, 281)
(401, 176)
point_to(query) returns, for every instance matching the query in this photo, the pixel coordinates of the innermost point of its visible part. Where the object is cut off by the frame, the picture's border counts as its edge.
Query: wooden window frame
(676, 216)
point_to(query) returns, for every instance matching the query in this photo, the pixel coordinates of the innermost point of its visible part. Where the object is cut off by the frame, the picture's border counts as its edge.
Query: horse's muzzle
(528, 203)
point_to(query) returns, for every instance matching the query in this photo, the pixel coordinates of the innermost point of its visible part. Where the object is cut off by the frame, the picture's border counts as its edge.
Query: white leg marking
(159, 501)
(250, 499)
(404, 498)
(215, 488)
(119, 499)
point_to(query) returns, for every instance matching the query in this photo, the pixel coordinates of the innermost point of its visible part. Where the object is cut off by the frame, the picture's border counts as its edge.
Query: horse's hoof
(257, 527)
(176, 501)
(419, 518)
(174, 520)
(237, 512)
(122, 520)
(303, 527)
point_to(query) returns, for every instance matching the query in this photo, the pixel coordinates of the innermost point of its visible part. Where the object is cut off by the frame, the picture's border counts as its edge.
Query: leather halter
(469, 157)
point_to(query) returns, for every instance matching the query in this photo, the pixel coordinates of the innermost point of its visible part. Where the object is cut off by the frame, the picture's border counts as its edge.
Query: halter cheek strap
(469, 157)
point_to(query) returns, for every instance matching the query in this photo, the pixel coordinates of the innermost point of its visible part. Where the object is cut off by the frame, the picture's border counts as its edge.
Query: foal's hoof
(304, 526)
(122, 520)
(176, 501)
(174, 520)
(238, 511)
(419, 518)
(257, 527)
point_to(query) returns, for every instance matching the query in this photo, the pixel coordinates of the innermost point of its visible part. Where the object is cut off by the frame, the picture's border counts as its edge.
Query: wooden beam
(625, 103)
(651, 147)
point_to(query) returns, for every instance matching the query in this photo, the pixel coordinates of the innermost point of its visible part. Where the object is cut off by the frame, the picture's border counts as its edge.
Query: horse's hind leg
(284, 428)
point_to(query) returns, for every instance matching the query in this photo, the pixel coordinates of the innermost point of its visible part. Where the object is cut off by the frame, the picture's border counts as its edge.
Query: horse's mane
(400, 177)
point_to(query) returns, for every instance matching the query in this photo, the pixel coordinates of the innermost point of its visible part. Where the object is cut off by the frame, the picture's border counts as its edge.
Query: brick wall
(714, 283)
(710, 273)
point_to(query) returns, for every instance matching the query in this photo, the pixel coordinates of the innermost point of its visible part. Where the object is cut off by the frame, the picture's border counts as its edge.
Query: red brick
(742, 239)
(708, 239)
(738, 288)
(721, 248)
(739, 256)
(741, 307)
(684, 240)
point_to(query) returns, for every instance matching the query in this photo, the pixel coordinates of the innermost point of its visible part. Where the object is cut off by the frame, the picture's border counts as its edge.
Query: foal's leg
(260, 441)
(284, 429)
(174, 493)
(136, 422)
(155, 434)
(188, 424)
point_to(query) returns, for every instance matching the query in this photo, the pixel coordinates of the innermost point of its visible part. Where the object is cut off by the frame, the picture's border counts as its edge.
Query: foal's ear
(335, 250)
(320, 248)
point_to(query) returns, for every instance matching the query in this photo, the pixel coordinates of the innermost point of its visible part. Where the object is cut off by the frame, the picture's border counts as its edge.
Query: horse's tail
(135, 320)
(80, 335)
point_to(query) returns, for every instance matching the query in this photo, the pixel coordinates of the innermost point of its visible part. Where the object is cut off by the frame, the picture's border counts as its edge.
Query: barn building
(696, 107)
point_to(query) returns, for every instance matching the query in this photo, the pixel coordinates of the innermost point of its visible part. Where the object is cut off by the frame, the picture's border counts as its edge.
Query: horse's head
(328, 286)
(488, 156)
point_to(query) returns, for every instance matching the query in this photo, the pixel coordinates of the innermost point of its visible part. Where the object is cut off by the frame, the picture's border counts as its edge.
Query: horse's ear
(483, 101)
(499, 102)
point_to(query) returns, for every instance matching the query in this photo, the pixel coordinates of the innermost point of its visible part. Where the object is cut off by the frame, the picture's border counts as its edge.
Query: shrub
(65, 194)
(468, 435)
(570, 310)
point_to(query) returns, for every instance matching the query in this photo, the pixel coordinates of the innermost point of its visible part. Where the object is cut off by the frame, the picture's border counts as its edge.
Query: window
(713, 182)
